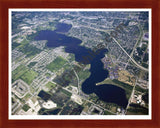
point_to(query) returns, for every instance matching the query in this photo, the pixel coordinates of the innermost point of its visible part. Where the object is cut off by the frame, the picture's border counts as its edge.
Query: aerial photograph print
(80, 63)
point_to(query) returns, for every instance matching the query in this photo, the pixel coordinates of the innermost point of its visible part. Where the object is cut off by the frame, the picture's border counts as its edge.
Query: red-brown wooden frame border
(6, 4)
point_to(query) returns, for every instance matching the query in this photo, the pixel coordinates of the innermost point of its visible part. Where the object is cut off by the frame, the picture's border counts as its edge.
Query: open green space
(136, 109)
(31, 64)
(123, 85)
(23, 43)
(83, 74)
(26, 48)
(19, 71)
(29, 76)
(108, 113)
(138, 88)
(29, 50)
(22, 72)
(66, 92)
(67, 66)
(50, 85)
(25, 107)
(56, 64)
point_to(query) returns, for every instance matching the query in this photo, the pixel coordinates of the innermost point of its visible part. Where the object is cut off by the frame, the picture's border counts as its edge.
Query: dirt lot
(126, 77)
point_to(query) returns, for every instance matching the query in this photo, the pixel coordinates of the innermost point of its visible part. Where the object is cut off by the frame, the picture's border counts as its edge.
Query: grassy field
(141, 89)
(25, 107)
(50, 85)
(56, 64)
(27, 49)
(23, 43)
(29, 76)
(108, 113)
(84, 74)
(67, 66)
(22, 72)
(137, 110)
(66, 92)
(32, 64)
(19, 71)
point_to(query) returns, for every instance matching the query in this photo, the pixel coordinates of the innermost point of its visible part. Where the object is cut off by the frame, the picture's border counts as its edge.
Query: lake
(105, 92)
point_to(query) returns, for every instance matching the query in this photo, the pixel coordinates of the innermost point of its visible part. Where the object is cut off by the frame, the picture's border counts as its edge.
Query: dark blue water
(105, 92)
(45, 96)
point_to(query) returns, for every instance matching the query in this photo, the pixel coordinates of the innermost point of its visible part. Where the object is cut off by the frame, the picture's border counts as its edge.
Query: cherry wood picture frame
(4, 34)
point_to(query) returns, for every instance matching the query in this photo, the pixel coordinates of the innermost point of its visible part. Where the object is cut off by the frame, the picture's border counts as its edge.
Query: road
(75, 74)
(96, 29)
(141, 67)
(135, 46)
(145, 69)
(79, 89)
(132, 94)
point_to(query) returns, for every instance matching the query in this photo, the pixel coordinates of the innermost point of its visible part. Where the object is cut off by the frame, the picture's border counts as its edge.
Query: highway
(141, 67)
(145, 69)
(135, 46)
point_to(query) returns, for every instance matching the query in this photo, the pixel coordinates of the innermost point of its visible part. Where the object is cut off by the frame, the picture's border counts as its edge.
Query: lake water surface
(105, 92)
